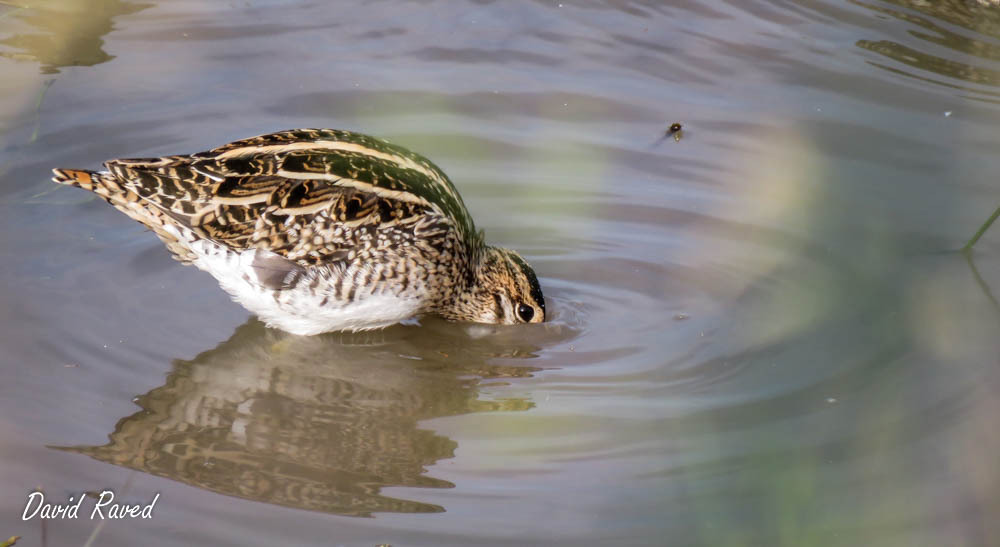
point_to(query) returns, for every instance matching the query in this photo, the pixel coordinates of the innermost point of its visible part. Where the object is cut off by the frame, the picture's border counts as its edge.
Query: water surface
(761, 334)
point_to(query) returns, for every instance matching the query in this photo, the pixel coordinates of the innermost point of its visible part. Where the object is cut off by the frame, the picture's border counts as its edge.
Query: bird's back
(290, 192)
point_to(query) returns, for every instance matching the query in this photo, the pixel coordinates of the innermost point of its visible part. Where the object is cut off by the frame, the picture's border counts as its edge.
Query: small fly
(676, 130)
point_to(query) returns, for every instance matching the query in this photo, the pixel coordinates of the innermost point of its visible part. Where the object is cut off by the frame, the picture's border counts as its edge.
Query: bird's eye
(525, 312)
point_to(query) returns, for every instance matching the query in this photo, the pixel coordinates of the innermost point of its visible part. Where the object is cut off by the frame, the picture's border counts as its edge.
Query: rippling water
(763, 333)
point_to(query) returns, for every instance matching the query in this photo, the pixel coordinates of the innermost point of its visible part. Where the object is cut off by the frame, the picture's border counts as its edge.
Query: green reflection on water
(319, 423)
(982, 19)
(61, 33)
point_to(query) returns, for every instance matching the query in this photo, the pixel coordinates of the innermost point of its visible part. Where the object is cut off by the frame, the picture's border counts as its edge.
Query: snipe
(317, 230)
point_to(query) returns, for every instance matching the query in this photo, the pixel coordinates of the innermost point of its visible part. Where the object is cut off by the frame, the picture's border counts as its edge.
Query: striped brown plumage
(319, 229)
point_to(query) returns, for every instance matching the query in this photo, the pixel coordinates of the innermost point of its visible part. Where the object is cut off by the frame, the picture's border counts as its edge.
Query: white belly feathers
(299, 309)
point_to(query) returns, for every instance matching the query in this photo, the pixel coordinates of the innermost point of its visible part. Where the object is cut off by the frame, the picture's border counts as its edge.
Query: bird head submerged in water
(318, 230)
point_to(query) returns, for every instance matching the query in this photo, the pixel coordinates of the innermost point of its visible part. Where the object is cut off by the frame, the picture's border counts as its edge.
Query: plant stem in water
(982, 230)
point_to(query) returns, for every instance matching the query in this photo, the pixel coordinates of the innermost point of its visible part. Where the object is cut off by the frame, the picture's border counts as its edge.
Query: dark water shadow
(62, 33)
(319, 423)
(983, 285)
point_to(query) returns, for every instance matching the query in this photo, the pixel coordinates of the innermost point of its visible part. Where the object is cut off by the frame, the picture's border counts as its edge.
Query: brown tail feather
(107, 186)
(103, 184)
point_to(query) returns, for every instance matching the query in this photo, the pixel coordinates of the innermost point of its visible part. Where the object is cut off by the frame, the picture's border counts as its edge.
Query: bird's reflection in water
(320, 423)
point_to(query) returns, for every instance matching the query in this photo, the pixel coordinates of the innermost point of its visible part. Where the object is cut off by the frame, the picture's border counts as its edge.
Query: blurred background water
(762, 334)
